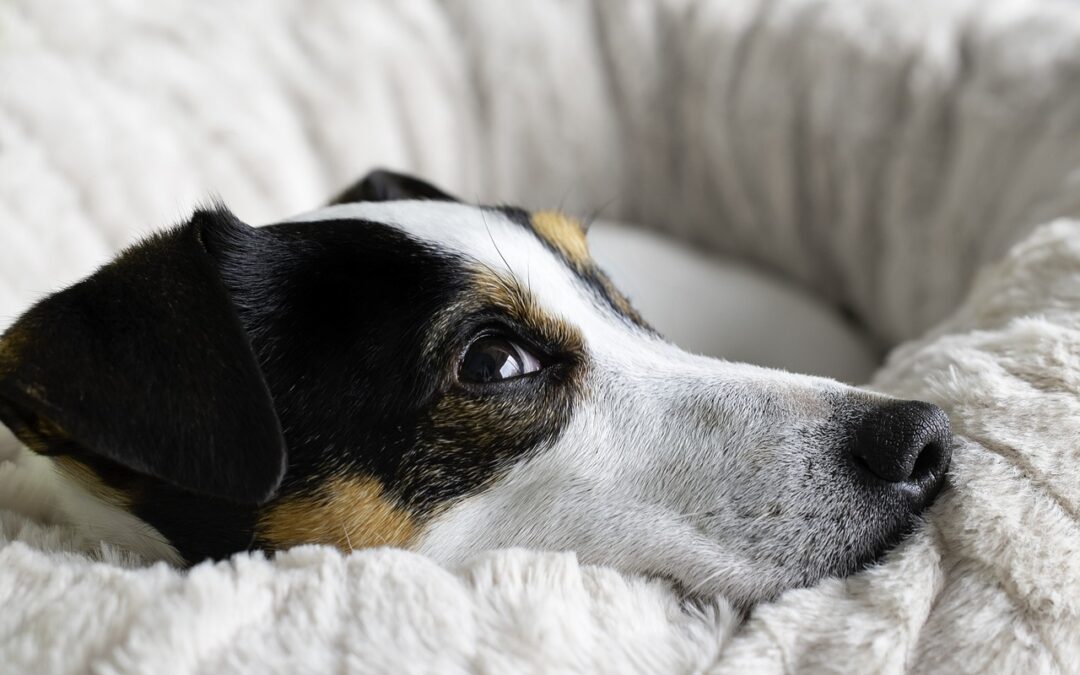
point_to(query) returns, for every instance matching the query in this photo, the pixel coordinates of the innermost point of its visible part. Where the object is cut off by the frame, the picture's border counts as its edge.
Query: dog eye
(494, 359)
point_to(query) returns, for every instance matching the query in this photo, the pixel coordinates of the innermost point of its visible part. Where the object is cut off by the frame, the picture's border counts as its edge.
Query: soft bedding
(892, 157)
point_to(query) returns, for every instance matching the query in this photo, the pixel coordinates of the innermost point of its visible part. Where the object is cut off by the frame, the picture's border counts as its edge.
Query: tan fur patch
(564, 233)
(348, 513)
(91, 482)
(519, 303)
(568, 237)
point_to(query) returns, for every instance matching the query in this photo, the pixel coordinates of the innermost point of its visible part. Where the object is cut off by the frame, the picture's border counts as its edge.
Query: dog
(403, 369)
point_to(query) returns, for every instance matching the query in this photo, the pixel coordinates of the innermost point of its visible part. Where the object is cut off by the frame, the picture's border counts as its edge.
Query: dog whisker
(348, 539)
(696, 589)
(587, 222)
(684, 516)
(492, 238)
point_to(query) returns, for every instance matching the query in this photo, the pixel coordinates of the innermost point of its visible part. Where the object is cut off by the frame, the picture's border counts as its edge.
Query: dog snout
(903, 444)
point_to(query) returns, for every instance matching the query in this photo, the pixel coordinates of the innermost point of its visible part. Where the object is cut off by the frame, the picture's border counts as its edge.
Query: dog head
(403, 369)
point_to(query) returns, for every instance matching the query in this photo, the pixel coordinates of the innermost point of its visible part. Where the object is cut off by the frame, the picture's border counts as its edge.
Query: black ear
(145, 364)
(386, 186)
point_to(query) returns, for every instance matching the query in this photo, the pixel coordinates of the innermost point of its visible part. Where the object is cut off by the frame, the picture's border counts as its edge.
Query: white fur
(36, 488)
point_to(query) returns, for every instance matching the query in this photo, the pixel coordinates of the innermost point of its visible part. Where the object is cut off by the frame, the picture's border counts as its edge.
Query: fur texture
(881, 152)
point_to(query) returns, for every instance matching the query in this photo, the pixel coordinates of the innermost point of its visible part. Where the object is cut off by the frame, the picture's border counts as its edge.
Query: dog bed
(911, 162)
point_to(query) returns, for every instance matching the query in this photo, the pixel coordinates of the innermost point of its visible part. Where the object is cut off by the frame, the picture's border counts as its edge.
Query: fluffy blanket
(881, 153)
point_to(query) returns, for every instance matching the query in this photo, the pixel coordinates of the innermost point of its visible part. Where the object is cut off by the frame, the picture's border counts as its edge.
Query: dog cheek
(347, 512)
(470, 439)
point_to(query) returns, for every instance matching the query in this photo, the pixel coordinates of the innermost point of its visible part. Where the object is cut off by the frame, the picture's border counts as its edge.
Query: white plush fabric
(880, 153)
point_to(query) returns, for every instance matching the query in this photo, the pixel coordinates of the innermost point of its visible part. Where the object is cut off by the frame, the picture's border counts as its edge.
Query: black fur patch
(359, 330)
(381, 185)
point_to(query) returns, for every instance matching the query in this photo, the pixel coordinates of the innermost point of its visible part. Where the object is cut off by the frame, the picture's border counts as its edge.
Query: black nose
(905, 443)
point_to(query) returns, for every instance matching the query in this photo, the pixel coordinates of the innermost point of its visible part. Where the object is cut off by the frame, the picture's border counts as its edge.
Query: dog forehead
(540, 255)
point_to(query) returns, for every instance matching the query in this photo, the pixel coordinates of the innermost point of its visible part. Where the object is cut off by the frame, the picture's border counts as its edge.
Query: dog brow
(565, 237)
(507, 293)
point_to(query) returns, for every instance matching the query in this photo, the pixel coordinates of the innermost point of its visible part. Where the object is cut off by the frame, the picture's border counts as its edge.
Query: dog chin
(896, 536)
(768, 586)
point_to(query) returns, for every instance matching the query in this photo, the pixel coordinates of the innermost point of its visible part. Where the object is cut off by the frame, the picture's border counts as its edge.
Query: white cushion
(878, 154)
(719, 306)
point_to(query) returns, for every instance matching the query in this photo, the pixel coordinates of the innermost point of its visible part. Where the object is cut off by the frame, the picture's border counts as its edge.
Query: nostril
(902, 442)
(927, 462)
